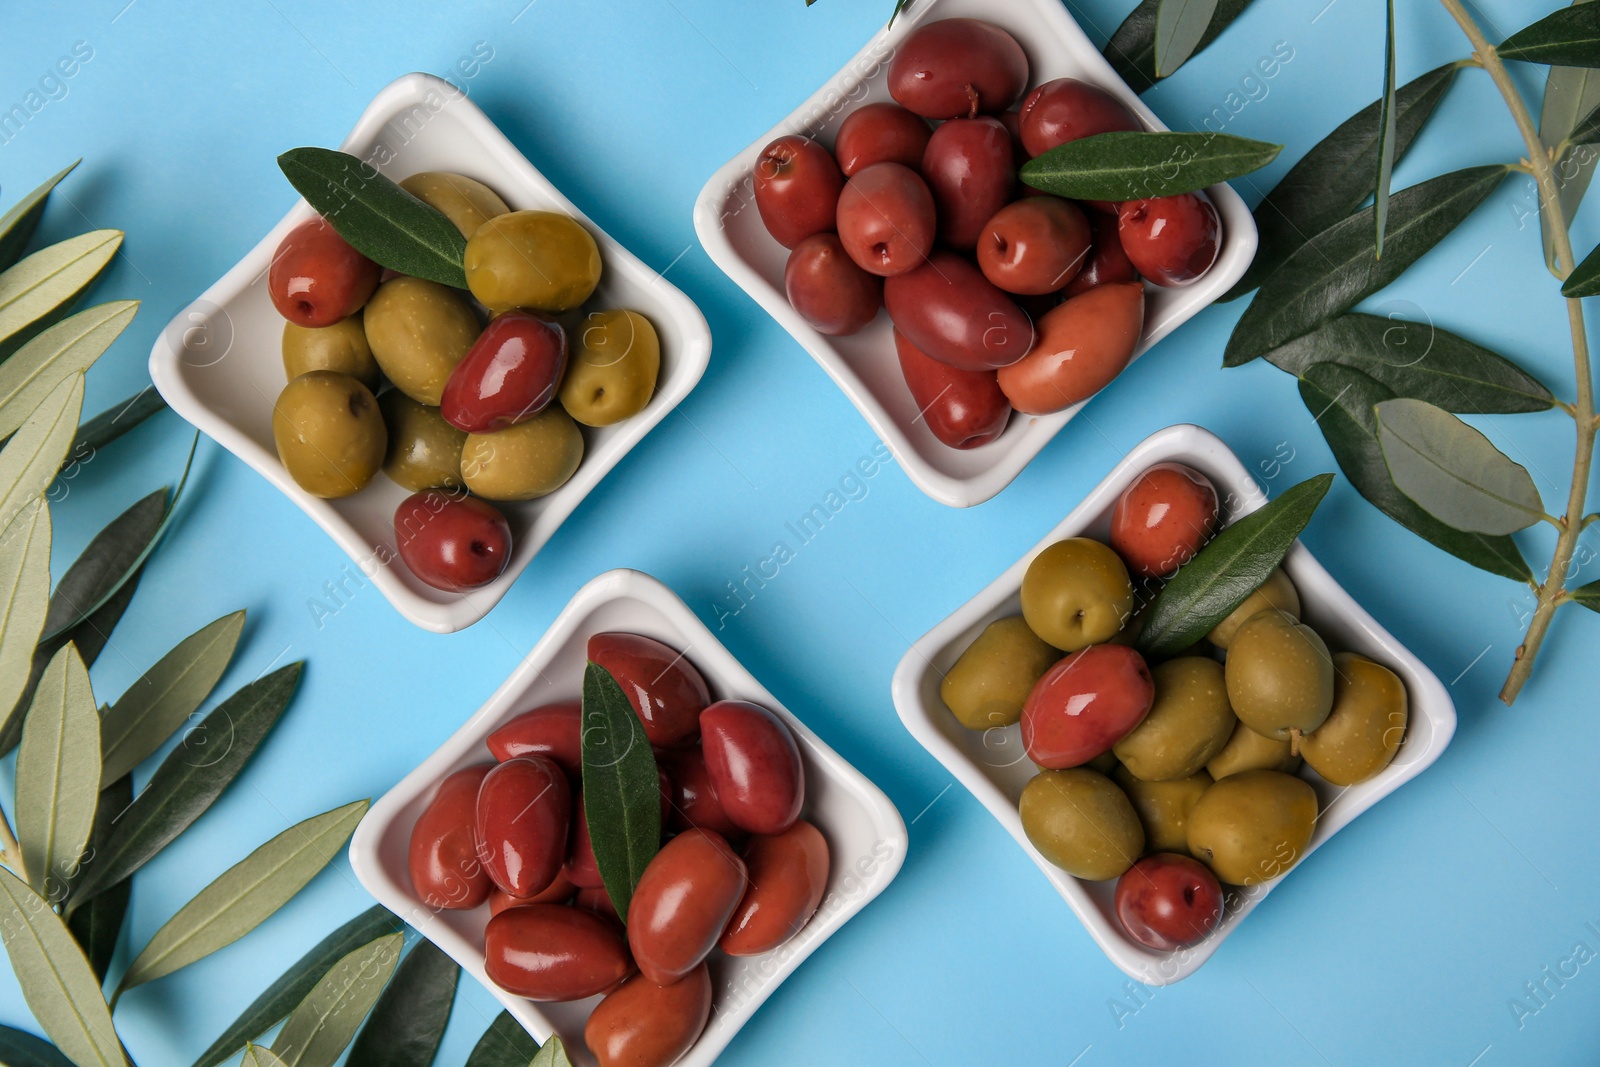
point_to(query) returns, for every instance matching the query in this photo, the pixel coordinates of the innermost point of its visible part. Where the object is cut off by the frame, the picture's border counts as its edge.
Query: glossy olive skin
(1107, 262)
(880, 133)
(534, 260)
(797, 187)
(642, 1024)
(1081, 822)
(554, 731)
(509, 375)
(1189, 721)
(948, 309)
(682, 903)
(611, 376)
(693, 799)
(424, 451)
(525, 461)
(419, 330)
(1081, 707)
(581, 869)
(1163, 518)
(341, 348)
(1253, 826)
(550, 952)
(1276, 592)
(1083, 345)
(452, 542)
(329, 433)
(958, 67)
(829, 289)
(1066, 110)
(962, 408)
(598, 901)
(1167, 902)
(1280, 676)
(1076, 593)
(754, 766)
(1163, 807)
(666, 691)
(443, 853)
(988, 684)
(788, 875)
(1366, 726)
(1035, 246)
(1171, 240)
(523, 813)
(886, 219)
(465, 201)
(1247, 750)
(316, 278)
(558, 891)
(970, 171)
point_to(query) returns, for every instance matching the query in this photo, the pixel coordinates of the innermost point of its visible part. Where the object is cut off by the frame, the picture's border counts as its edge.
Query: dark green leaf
(504, 1044)
(621, 790)
(1585, 280)
(1587, 595)
(98, 924)
(1331, 180)
(408, 1021)
(1343, 400)
(1418, 360)
(1570, 94)
(18, 224)
(113, 422)
(1386, 137)
(1570, 37)
(1587, 131)
(102, 566)
(1179, 26)
(899, 7)
(192, 776)
(1132, 48)
(1453, 471)
(1134, 165)
(291, 987)
(1338, 268)
(1228, 569)
(18, 1048)
(380, 220)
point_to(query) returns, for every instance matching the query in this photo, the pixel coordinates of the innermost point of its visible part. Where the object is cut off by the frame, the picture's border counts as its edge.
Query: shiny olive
(1189, 721)
(693, 799)
(509, 375)
(666, 690)
(829, 289)
(788, 875)
(581, 869)
(682, 903)
(1168, 902)
(1172, 240)
(1066, 110)
(558, 891)
(1280, 676)
(1365, 727)
(535, 260)
(553, 952)
(452, 542)
(1080, 821)
(424, 451)
(1083, 345)
(465, 201)
(1034, 246)
(1253, 826)
(1247, 750)
(880, 133)
(419, 330)
(329, 433)
(642, 1024)
(957, 67)
(754, 765)
(554, 731)
(1076, 593)
(1163, 518)
(1276, 592)
(797, 187)
(1085, 704)
(316, 278)
(948, 309)
(612, 373)
(1106, 262)
(442, 856)
(886, 219)
(523, 814)
(1163, 807)
(990, 681)
(341, 348)
(528, 460)
(962, 408)
(969, 170)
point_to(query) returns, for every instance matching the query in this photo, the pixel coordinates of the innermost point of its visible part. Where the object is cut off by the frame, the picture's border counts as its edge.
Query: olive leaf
(24, 597)
(320, 1028)
(58, 774)
(98, 924)
(1133, 165)
(1180, 24)
(18, 224)
(1569, 37)
(69, 347)
(407, 1023)
(621, 789)
(552, 1054)
(115, 421)
(1453, 471)
(504, 1044)
(1587, 595)
(18, 1048)
(52, 278)
(256, 1056)
(1386, 138)
(380, 220)
(1585, 279)
(245, 895)
(1587, 131)
(108, 557)
(1570, 94)
(29, 461)
(1132, 48)
(1343, 402)
(1338, 268)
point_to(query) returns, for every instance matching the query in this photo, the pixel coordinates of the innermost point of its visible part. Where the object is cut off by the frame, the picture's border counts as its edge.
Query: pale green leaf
(48, 279)
(24, 597)
(552, 1054)
(1570, 94)
(1453, 472)
(69, 347)
(18, 224)
(319, 1030)
(257, 1056)
(58, 774)
(30, 460)
(1180, 24)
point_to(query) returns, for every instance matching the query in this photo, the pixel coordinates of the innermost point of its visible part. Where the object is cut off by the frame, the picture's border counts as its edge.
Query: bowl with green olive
(1143, 778)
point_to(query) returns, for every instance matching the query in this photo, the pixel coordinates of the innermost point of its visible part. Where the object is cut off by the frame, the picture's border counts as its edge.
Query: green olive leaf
(1228, 569)
(1453, 471)
(1134, 165)
(1339, 268)
(1585, 279)
(24, 597)
(18, 1048)
(257, 1056)
(552, 1054)
(245, 895)
(69, 347)
(1569, 37)
(1570, 94)
(18, 224)
(52, 278)
(407, 1023)
(621, 790)
(58, 775)
(1387, 132)
(1180, 24)
(108, 557)
(504, 1044)
(320, 1028)
(115, 421)
(380, 220)
(1587, 595)
(29, 461)
(1132, 48)
(98, 924)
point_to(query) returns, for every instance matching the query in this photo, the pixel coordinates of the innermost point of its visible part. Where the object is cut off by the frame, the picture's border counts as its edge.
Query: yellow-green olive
(465, 201)
(524, 461)
(1280, 675)
(419, 330)
(1247, 750)
(341, 347)
(1253, 826)
(538, 260)
(1188, 723)
(1080, 821)
(1276, 592)
(611, 374)
(1164, 807)
(1365, 727)
(1105, 763)
(988, 684)
(329, 434)
(424, 450)
(1076, 593)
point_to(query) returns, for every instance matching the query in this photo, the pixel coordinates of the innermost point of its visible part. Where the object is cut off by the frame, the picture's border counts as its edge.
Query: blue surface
(1402, 941)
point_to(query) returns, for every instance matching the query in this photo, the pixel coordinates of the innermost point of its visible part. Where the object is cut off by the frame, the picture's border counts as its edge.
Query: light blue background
(1402, 941)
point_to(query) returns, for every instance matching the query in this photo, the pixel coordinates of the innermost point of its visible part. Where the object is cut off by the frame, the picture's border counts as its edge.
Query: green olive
(612, 372)
(538, 260)
(1105, 763)
(1366, 726)
(1164, 807)
(1253, 826)
(1080, 821)
(329, 434)
(419, 330)
(1076, 593)
(465, 201)
(524, 461)
(988, 684)
(1247, 750)
(341, 347)
(1280, 676)
(424, 450)
(1276, 592)
(1188, 723)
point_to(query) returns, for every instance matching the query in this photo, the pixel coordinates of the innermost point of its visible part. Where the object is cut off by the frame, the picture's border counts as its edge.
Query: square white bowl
(864, 365)
(219, 364)
(991, 764)
(866, 836)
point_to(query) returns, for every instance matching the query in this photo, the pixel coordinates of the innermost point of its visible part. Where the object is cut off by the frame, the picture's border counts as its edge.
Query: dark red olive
(788, 874)
(828, 289)
(887, 221)
(962, 408)
(666, 691)
(557, 892)
(581, 869)
(1107, 263)
(598, 901)
(970, 171)
(452, 542)
(754, 765)
(682, 903)
(958, 67)
(642, 1024)
(1034, 246)
(523, 814)
(551, 952)
(1171, 240)
(880, 133)
(509, 375)
(554, 731)
(694, 800)
(948, 309)
(443, 854)
(1066, 110)
(797, 187)
(316, 278)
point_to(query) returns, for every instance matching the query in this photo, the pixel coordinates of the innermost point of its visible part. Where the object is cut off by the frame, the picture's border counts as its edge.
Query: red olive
(509, 375)
(1172, 240)
(452, 543)
(597, 900)
(880, 133)
(754, 765)
(443, 854)
(316, 278)
(828, 289)
(1163, 518)
(970, 171)
(1107, 262)
(1083, 345)
(886, 219)
(948, 309)
(1085, 704)
(797, 187)
(554, 731)
(963, 408)
(1167, 901)
(788, 875)
(581, 869)
(523, 814)
(557, 892)
(553, 952)
(694, 800)
(1066, 110)
(666, 691)
(1034, 246)
(642, 1024)
(682, 903)
(1012, 121)
(958, 67)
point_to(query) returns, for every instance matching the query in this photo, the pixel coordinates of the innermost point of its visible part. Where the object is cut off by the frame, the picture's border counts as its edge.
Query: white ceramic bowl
(866, 836)
(864, 365)
(219, 362)
(992, 765)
